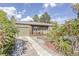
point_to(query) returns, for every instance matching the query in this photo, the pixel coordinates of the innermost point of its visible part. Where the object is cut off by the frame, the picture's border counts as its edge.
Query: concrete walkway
(41, 51)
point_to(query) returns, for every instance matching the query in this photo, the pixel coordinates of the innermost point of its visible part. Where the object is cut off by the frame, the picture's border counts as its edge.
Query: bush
(69, 28)
(7, 34)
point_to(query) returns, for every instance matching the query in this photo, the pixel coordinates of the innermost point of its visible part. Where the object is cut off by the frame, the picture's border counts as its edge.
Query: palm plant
(64, 46)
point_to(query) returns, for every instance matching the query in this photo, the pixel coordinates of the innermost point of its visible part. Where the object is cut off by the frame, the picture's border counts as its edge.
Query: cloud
(19, 16)
(60, 20)
(22, 12)
(46, 5)
(11, 11)
(28, 18)
(53, 4)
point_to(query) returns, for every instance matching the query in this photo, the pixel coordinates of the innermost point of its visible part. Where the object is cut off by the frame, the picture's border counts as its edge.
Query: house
(32, 28)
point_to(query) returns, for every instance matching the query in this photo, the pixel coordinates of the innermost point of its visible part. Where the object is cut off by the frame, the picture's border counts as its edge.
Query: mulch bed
(50, 46)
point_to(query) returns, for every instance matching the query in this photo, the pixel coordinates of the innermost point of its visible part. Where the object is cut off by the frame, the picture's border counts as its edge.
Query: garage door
(23, 31)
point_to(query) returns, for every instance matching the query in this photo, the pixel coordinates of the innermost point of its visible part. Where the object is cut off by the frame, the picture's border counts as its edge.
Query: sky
(25, 11)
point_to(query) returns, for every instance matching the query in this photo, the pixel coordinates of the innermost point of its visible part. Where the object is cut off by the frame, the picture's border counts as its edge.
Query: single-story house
(32, 28)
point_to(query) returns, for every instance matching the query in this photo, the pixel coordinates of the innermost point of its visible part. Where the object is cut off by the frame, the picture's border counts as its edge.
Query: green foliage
(57, 34)
(45, 18)
(7, 34)
(75, 7)
(72, 27)
(69, 28)
(35, 18)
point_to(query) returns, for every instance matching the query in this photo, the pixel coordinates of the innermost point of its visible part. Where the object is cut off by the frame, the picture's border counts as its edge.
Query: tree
(13, 20)
(75, 7)
(35, 18)
(45, 18)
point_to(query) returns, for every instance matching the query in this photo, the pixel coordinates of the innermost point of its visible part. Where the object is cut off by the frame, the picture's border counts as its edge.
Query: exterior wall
(30, 29)
(39, 30)
(24, 30)
(27, 29)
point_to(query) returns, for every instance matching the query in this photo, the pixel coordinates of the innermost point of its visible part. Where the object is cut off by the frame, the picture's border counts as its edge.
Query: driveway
(41, 51)
(39, 48)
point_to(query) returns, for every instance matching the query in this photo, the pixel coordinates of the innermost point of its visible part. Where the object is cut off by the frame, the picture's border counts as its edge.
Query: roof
(33, 23)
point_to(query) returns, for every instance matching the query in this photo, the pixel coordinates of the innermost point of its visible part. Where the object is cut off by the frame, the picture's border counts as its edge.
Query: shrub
(7, 34)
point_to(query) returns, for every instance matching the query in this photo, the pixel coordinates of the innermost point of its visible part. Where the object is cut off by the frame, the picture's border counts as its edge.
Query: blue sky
(24, 11)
